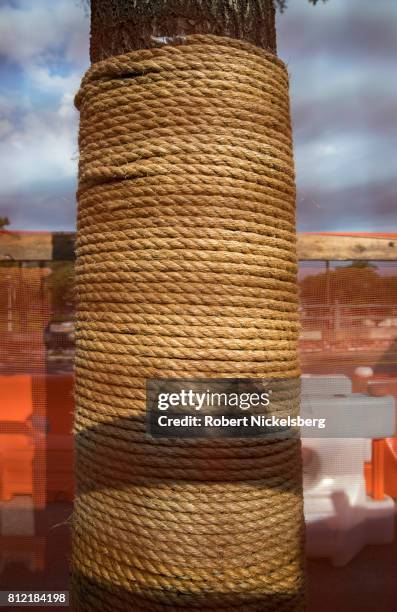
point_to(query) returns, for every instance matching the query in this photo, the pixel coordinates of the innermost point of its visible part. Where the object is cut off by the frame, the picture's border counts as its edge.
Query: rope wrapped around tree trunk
(186, 267)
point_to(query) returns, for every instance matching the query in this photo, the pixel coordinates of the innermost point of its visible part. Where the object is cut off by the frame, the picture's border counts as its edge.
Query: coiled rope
(186, 267)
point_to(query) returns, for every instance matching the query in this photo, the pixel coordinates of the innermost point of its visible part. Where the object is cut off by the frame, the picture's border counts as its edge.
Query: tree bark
(119, 26)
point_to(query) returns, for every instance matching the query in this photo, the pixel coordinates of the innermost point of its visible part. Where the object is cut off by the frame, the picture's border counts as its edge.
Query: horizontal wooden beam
(335, 247)
(59, 246)
(36, 246)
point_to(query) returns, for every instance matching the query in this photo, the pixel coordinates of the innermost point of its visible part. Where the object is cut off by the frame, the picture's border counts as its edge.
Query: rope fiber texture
(186, 267)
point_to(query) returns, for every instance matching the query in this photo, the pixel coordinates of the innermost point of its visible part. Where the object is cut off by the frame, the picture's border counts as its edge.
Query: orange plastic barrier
(16, 466)
(381, 471)
(16, 441)
(36, 443)
(16, 398)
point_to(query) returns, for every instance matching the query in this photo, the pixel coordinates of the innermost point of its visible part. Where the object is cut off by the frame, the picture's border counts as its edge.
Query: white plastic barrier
(350, 416)
(315, 384)
(340, 518)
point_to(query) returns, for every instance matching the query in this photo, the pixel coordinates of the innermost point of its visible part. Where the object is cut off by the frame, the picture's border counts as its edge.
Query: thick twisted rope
(186, 267)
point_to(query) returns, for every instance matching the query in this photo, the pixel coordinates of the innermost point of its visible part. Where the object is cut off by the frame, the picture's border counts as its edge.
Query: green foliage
(60, 285)
(282, 4)
(3, 222)
(362, 263)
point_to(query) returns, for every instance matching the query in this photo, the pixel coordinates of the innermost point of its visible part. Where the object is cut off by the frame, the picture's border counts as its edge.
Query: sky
(342, 60)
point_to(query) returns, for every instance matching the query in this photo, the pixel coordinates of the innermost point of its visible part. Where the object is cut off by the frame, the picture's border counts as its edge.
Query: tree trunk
(186, 268)
(119, 26)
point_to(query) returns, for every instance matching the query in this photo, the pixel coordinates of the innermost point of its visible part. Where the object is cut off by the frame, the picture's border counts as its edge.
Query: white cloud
(5, 127)
(5, 106)
(66, 108)
(48, 40)
(33, 31)
(340, 80)
(50, 82)
(334, 69)
(42, 148)
(6, 122)
(341, 58)
(343, 161)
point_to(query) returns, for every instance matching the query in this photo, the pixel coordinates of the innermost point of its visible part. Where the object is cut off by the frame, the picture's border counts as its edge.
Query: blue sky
(342, 58)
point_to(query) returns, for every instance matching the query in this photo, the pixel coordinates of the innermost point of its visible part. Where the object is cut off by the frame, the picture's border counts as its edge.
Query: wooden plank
(59, 246)
(36, 246)
(345, 248)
